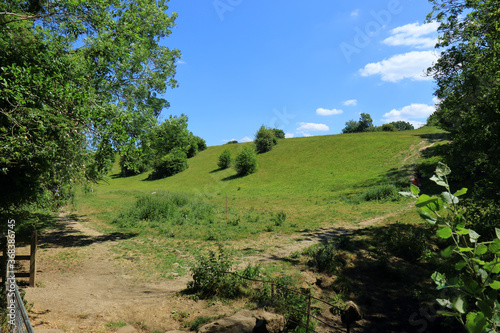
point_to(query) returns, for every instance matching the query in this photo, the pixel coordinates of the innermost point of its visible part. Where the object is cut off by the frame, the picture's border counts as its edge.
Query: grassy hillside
(309, 179)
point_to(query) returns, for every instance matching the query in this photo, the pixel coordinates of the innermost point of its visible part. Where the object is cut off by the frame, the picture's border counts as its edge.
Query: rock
(241, 322)
(270, 322)
(351, 313)
(127, 329)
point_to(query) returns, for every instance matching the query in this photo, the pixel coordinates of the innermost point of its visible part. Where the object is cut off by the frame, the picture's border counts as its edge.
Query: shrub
(170, 164)
(232, 142)
(407, 241)
(279, 134)
(325, 255)
(381, 192)
(202, 145)
(265, 139)
(225, 159)
(246, 162)
(132, 162)
(389, 128)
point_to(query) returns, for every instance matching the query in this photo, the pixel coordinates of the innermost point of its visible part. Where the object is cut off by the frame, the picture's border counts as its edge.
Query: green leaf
(485, 308)
(446, 253)
(481, 249)
(465, 249)
(497, 231)
(476, 322)
(460, 265)
(460, 304)
(495, 285)
(473, 235)
(462, 231)
(439, 279)
(415, 190)
(439, 181)
(495, 246)
(442, 170)
(444, 303)
(444, 232)
(460, 192)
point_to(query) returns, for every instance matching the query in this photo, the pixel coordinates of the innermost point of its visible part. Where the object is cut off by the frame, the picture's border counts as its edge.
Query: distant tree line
(365, 124)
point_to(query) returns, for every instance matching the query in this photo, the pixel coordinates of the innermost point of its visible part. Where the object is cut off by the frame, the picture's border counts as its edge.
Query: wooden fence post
(308, 314)
(34, 244)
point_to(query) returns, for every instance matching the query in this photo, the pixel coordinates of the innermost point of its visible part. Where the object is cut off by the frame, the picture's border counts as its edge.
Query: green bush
(265, 139)
(407, 241)
(225, 159)
(161, 211)
(246, 162)
(170, 164)
(389, 128)
(381, 192)
(132, 162)
(325, 255)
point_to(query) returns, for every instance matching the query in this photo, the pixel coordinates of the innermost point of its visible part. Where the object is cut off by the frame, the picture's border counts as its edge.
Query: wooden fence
(31, 257)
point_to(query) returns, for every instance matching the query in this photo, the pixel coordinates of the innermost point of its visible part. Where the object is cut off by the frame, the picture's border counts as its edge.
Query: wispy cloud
(355, 13)
(327, 112)
(351, 102)
(411, 65)
(414, 34)
(246, 139)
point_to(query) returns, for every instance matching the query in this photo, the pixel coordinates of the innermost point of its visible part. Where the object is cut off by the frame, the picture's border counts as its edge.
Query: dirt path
(82, 288)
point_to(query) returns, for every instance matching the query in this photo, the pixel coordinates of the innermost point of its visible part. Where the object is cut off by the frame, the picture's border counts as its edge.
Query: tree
(246, 162)
(278, 133)
(468, 86)
(402, 125)
(225, 159)
(265, 139)
(364, 124)
(78, 79)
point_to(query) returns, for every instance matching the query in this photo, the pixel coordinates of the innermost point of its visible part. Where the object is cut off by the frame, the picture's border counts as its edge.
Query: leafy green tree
(278, 133)
(246, 162)
(170, 164)
(225, 159)
(402, 125)
(468, 86)
(389, 128)
(365, 123)
(78, 79)
(265, 139)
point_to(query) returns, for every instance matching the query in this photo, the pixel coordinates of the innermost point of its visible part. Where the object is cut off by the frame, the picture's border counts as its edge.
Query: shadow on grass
(236, 176)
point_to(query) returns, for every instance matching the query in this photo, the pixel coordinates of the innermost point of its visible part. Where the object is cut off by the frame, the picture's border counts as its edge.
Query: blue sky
(304, 67)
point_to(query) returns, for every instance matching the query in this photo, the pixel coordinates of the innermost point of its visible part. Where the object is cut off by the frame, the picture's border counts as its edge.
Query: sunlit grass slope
(308, 178)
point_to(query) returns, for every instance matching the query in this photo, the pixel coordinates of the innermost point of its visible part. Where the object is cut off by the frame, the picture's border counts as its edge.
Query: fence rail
(17, 316)
(309, 297)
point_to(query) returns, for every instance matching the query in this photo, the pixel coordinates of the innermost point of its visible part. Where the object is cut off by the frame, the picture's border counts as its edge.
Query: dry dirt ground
(82, 287)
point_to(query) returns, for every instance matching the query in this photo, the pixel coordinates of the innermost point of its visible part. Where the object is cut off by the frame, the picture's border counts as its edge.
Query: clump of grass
(164, 210)
(381, 192)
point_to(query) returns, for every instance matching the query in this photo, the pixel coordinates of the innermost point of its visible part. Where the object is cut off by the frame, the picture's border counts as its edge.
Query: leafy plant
(265, 139)
(475, 280)
(170, 164)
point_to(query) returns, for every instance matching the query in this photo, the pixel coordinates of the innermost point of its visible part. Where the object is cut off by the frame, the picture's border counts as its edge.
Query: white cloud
(436, 100)
(326, 112)
(410, 65)
(312, 127)
(246, 139)
(414, 34)
(180, 62)
(355, 13)
(351, 102)
(289, 135)
(410, 113)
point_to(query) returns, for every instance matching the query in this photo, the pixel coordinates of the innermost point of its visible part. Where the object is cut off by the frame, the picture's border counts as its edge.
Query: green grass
(302, 184)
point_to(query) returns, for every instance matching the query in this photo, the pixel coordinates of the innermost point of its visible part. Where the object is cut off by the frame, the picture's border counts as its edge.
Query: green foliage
(325, 256)
(476, 279)
(202, 145)
(246, 162)
(364, 124)
(265, 139)
(407, 241)
(132, 161)
(75, 78)
(279, 219)
(212, 275)
(389, 128)
(232, 142)
(402, 125)
(380, 193)
(468, 86)
(163, 210)
(225, 159)
(278, 133)
(169, 165)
